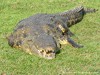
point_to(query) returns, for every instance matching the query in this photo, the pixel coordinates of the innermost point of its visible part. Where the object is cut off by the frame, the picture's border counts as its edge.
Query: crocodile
(43, 34)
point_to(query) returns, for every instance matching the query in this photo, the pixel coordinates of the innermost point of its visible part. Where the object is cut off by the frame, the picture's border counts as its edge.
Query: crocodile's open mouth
(47, 53)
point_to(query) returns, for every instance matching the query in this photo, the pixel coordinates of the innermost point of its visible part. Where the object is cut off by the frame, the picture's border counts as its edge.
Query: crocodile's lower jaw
(48, 56)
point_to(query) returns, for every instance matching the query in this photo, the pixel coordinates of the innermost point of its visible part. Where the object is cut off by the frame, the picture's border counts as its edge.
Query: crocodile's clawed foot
(78, 46)
(73, 43)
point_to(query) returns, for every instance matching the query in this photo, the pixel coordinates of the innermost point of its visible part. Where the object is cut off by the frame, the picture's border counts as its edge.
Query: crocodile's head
(46, 46)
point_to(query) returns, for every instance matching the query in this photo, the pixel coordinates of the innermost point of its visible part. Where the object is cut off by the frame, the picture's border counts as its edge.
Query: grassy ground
(71, 61)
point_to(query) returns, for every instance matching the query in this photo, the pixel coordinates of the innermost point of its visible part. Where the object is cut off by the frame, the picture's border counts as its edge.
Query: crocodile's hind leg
(73, 43)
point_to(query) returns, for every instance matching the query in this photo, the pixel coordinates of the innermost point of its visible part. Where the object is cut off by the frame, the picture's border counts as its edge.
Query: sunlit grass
(71, 61)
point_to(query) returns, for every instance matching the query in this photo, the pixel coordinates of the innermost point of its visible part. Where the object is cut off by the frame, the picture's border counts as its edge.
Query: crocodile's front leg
(73, 43)
(65, 39)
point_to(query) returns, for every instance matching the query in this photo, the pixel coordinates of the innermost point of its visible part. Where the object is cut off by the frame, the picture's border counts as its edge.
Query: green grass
(71, 61)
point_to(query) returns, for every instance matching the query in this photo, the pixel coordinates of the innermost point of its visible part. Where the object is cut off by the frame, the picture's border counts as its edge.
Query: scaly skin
(75, 15)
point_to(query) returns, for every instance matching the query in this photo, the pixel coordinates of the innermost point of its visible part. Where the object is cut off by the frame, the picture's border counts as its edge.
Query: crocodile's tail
(89, 10)
(79, 9)
(85, 10)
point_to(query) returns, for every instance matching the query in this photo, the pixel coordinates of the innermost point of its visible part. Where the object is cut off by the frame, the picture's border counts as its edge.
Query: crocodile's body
(43, 34)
